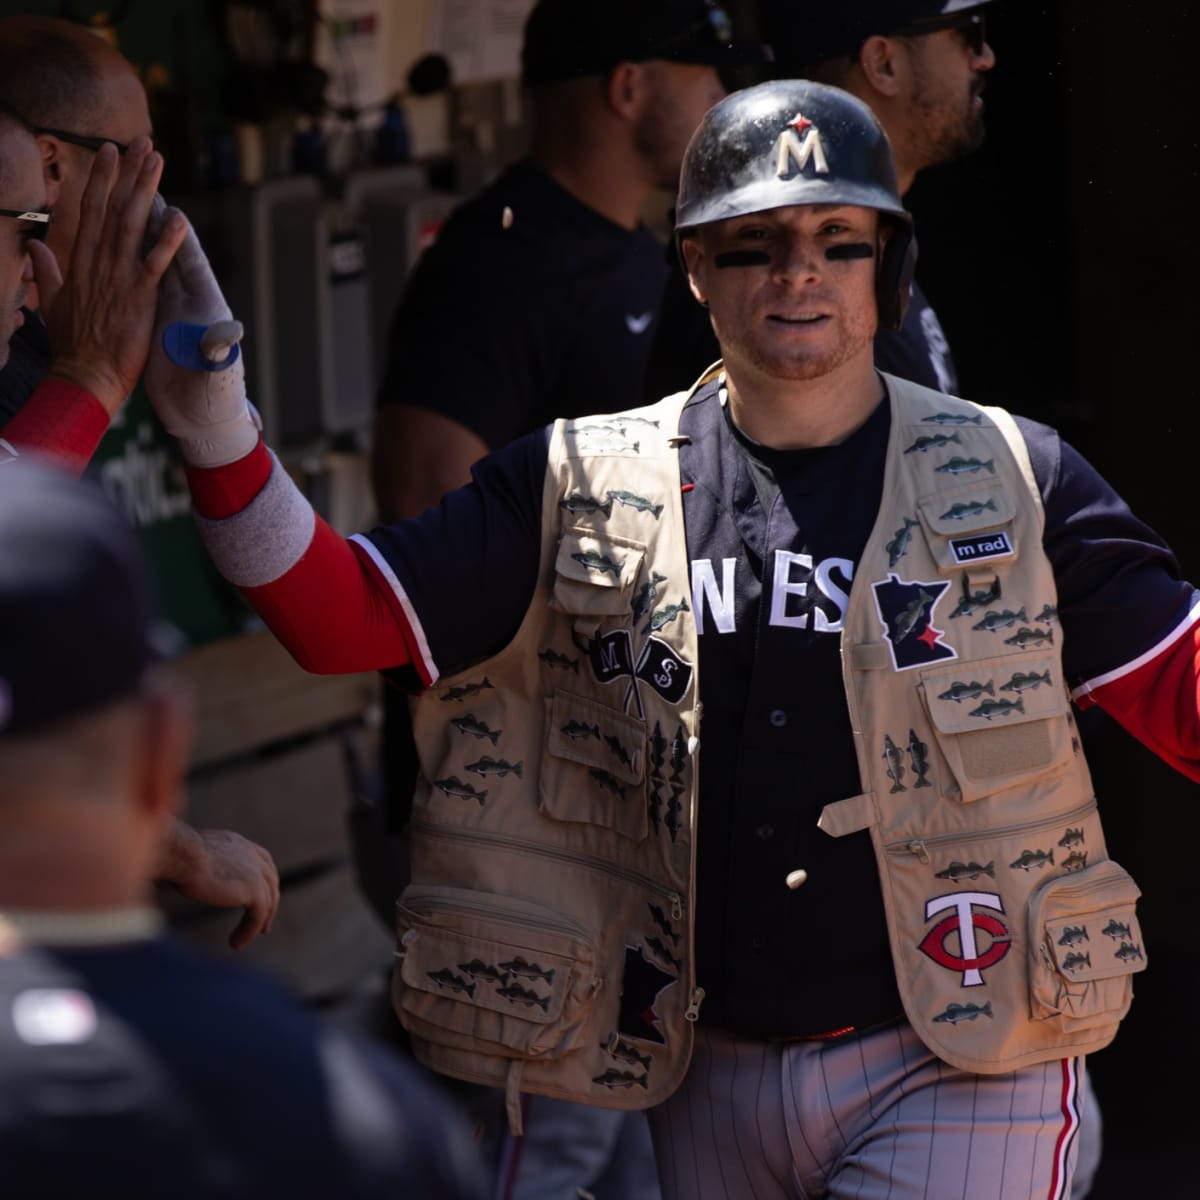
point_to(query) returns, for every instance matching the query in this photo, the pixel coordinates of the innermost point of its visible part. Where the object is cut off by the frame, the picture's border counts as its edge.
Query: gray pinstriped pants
(868, 1117)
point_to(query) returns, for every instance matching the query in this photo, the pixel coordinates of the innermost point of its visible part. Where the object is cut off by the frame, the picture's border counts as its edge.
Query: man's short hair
(46, 76)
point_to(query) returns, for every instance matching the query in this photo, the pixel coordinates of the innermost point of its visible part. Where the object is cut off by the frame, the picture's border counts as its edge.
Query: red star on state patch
(799, 123)
(929, 636)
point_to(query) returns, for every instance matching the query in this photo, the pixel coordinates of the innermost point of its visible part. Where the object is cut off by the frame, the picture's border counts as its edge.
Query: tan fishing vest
(544, 943)
(1013, 933)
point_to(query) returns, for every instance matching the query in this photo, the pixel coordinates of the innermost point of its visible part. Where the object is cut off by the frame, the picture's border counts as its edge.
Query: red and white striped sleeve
(332, 602)
(1156, 697)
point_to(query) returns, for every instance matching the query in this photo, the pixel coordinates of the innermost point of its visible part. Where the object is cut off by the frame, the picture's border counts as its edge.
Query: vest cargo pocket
(594, 574)
(1085, 945)
(601, 785)
(999, 721)
(490, 973)
(969, 524)
(593, 769)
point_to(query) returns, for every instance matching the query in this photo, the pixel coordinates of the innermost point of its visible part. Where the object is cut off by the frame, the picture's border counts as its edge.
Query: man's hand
(221, 868)
(195, 376)
(100, 316)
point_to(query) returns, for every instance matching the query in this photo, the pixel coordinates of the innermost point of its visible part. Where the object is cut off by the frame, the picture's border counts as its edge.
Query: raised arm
(100, 316)
(326, 599)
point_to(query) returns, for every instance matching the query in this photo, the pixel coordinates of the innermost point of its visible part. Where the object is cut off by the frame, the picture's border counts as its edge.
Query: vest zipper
(442, 902)
(920, 846)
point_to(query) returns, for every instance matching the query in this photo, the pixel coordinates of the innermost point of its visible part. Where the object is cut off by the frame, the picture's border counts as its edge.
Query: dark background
(1062, 260)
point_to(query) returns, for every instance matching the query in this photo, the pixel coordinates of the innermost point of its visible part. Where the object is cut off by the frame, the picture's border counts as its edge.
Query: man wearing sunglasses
(76, 94)
(73, 347)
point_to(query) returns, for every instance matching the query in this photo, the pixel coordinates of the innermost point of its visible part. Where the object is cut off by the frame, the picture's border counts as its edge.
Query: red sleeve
(1159, 702)
(334, 612)
(219, 492)
(332, 609)
(60, 420)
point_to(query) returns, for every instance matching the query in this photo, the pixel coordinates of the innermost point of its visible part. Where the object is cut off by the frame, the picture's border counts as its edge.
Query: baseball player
(751, 788)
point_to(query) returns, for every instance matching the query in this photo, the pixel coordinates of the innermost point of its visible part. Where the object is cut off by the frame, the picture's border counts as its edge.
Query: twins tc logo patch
(906, 613)
(982, 939)
(980, 547)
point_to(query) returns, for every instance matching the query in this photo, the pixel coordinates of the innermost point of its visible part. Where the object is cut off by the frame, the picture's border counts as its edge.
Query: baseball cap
(75, 606)
(565, 39)
(814, 30)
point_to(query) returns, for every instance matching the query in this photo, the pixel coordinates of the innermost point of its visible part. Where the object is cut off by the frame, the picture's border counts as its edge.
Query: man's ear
(626, 83)
(52, 158)
(878, 60)
(695, 260)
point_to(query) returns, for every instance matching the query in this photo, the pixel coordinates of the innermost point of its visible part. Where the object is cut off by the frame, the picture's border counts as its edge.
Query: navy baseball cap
(801, 32)
(75, 598)
(565, 39)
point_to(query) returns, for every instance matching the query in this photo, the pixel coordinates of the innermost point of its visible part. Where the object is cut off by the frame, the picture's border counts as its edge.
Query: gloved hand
(195, 376)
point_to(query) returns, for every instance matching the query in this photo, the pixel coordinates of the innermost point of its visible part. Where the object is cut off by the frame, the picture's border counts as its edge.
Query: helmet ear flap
(893, 283)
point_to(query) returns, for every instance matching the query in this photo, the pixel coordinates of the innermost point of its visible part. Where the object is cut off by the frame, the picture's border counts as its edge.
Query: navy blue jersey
(529, 306)
(776, 739)
(918, 350)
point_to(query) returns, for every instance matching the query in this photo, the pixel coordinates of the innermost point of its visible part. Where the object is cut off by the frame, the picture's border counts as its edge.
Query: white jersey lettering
(825, 585)
(822, 589)
(783, 586)
(720, 600)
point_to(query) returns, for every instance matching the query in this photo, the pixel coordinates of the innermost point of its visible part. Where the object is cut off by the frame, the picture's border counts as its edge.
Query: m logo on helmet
(790, 149)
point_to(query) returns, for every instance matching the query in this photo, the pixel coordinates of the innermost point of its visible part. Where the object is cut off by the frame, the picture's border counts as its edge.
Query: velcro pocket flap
(1009, 690)
(595, 573)
(976, 506)
(595, 735)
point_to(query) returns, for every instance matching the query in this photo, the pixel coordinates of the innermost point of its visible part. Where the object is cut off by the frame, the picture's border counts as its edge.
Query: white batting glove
(195, 376)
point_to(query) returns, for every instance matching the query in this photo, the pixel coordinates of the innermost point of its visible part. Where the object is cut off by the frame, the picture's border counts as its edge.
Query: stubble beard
(946, 133)
(798, 366)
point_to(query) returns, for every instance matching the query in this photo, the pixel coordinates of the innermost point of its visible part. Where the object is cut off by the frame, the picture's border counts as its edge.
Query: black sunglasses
(81, 139)
(40, 219)
(971, 25)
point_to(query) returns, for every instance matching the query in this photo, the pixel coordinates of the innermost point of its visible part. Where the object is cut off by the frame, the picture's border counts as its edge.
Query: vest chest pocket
(1085, 945)
(594, 574)
(999, 721)
(969, 525)
(593, 769)
(490, 973)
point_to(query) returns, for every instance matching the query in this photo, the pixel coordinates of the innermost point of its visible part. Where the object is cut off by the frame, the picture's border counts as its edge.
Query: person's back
(129, 1064)
(139, 1066)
